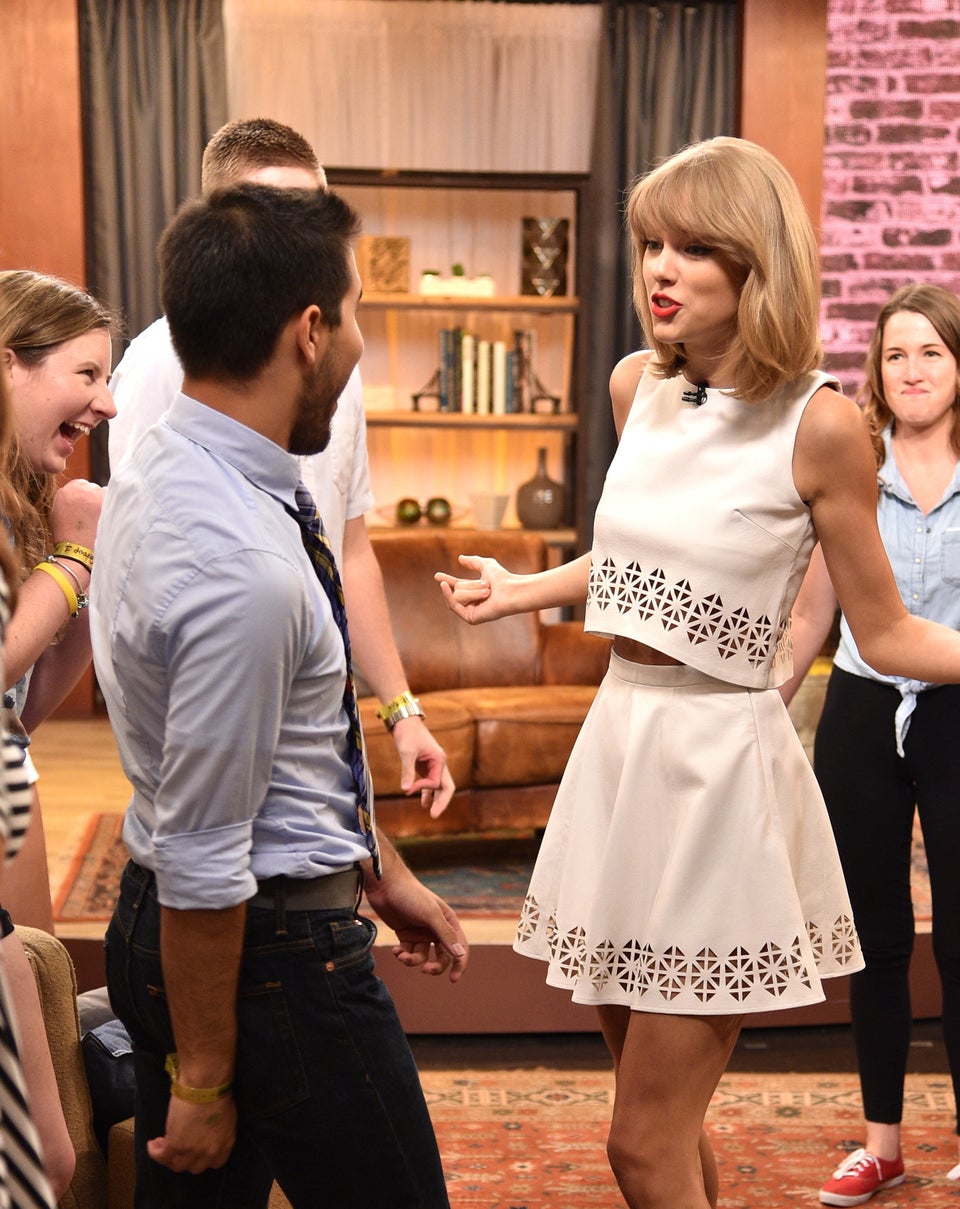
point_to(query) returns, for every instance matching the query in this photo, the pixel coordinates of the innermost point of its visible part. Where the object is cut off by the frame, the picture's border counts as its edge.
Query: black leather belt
(332, 892)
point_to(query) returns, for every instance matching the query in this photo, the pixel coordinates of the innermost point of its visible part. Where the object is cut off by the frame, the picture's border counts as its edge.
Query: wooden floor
(80, 775)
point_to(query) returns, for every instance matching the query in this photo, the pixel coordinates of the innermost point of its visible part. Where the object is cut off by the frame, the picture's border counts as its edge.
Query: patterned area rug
(535, 1139)
(483, 876)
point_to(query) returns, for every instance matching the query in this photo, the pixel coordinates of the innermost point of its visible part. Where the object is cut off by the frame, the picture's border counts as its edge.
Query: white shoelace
(856, 1163)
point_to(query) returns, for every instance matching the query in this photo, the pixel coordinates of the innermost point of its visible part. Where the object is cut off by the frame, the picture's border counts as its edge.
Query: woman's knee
(632, 1157)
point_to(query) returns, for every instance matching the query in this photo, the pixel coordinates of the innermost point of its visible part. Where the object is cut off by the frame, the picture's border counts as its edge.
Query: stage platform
(502, 992)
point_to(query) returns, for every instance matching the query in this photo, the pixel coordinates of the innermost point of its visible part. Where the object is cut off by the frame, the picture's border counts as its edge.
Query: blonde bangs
(735, 197)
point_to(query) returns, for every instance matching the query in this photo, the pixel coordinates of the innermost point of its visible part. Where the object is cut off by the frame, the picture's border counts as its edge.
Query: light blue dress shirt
(221, 666)
(924, 552)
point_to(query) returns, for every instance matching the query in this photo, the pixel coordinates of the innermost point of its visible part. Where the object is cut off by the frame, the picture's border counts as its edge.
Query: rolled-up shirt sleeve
(231, 638)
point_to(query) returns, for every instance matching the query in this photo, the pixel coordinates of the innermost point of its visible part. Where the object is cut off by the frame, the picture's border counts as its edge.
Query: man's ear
(312, 334)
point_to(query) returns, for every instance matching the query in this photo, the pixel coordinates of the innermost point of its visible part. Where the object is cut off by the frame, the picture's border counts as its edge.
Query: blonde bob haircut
(734, 197)
(942, 309)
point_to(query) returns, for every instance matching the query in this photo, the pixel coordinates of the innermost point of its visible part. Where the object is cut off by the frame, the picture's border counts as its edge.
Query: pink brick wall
(891, 184)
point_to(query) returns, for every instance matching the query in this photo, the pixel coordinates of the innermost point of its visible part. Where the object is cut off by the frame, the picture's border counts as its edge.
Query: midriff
(639, 652)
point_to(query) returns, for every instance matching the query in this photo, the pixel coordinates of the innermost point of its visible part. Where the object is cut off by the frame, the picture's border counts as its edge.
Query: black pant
(871, 794)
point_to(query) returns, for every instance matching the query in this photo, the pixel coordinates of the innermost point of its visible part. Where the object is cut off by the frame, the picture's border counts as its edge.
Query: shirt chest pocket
(950, 556)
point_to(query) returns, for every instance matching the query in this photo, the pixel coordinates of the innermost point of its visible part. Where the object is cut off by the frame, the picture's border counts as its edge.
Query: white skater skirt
(688, 865)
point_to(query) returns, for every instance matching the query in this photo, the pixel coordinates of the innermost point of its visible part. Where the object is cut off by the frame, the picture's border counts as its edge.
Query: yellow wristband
(193, 1095)
(80, 554)
(66, 586)
(404, 706)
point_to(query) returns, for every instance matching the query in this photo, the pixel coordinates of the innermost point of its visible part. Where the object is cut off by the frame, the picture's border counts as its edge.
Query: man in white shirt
(265, 1045)
(144, 384)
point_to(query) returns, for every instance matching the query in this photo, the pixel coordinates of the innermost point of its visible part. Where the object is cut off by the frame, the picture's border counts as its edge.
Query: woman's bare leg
(667, 1069)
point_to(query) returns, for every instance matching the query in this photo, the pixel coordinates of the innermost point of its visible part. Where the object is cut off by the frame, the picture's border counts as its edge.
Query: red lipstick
(663, 307)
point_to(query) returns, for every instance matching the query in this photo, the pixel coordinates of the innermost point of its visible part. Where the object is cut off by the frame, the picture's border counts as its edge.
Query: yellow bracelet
(193, 1095)
(404, 706)
(74, 578)
(79, 554)
(56, 573)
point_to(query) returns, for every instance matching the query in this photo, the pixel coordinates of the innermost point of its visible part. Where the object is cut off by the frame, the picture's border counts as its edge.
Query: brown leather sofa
(505, 700)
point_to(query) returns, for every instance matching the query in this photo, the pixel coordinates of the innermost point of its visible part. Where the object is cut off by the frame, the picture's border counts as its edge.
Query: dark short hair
(237, 265)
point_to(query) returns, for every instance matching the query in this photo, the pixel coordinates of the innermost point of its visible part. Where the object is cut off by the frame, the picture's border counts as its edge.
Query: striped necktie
(317, 546)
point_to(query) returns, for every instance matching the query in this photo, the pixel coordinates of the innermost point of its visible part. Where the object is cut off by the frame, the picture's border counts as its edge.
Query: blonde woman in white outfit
(688, 874)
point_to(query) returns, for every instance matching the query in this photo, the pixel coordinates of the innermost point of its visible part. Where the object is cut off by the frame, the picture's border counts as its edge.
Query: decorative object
(405, 513)
(543, 267)
(541, 501)
(488, 508)
(457, 285)
(383, 262)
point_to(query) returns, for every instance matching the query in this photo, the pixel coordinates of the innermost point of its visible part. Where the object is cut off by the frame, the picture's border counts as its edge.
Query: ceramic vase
(541, 501)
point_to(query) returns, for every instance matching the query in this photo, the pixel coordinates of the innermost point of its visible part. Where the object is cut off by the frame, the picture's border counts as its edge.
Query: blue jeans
(328, 1097)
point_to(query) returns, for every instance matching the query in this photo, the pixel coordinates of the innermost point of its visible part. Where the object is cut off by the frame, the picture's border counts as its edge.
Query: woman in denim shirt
(886, 746)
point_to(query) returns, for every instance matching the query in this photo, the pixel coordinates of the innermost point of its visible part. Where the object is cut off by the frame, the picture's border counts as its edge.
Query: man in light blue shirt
(265, 1046)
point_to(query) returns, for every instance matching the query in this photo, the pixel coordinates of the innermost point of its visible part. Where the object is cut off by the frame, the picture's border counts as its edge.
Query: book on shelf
(487, 377)
(483, 377)
(523, 350)
(468, 372)
(498, 378)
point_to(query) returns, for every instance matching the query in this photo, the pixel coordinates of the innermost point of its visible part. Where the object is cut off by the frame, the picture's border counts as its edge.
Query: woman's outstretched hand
(480, 599)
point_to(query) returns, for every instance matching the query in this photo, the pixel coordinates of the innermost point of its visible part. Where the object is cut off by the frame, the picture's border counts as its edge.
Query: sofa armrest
(570, 656)
(57, 987)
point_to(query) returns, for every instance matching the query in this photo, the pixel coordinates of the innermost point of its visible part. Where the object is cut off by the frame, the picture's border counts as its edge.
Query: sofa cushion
(524, 736)
(437, 649)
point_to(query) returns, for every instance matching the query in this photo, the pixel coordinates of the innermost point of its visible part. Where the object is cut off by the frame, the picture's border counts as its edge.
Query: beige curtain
(421, 84)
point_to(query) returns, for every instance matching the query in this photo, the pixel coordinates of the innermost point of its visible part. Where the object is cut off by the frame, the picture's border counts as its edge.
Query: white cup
(488, 508)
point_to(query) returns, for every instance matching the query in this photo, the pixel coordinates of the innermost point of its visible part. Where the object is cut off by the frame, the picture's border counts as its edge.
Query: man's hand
(423, 765)
(428, 932)
(199, 1136)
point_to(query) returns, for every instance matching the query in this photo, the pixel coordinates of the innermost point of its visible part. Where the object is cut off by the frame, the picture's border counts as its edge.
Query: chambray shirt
(221, 665)
(924, 552)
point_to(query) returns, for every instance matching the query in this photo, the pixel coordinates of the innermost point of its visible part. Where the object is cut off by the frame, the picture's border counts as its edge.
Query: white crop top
(701, 540)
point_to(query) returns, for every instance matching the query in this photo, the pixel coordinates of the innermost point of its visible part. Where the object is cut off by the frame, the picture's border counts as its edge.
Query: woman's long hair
(38, 313)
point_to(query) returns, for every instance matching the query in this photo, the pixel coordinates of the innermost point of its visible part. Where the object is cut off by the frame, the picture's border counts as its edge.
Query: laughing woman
(55, 344)
(688, 874)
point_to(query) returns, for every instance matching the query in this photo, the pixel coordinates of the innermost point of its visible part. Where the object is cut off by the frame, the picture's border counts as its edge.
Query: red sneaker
(859, 1176)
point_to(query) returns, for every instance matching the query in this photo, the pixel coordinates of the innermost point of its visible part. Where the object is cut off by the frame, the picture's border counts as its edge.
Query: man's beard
(318, 401)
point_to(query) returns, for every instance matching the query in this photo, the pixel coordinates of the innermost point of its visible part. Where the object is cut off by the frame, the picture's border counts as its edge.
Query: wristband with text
(79, 554)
